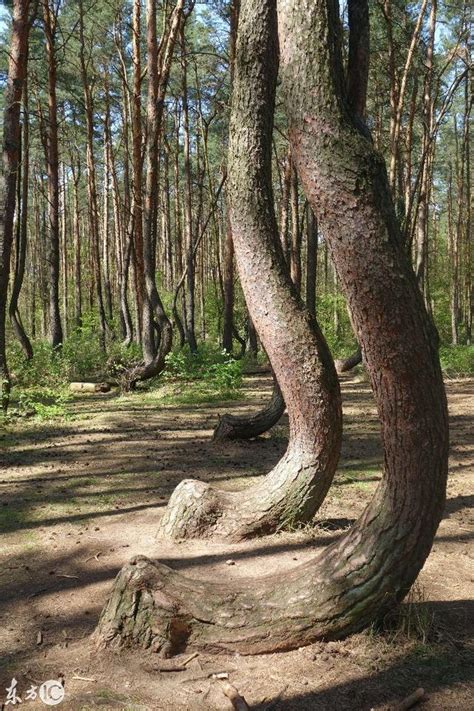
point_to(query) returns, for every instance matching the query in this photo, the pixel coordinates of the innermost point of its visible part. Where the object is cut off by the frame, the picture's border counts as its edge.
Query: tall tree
(295, 488)
(362, 575)
(51, 147)
(17, 64)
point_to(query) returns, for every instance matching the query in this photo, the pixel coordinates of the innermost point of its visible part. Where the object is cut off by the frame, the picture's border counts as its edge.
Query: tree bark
(52, 161)
(21, 249)
(189, 237)
(11, 160)
(311, 261)
(361, 576)
(228, 278)
(303, 366)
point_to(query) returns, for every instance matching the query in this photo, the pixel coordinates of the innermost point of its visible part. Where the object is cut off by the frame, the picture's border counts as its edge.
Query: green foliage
(457, 360)
(41, 384)
(216, 367)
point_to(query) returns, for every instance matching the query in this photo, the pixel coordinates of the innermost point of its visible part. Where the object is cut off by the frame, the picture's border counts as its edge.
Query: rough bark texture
(250, 426)
(359, 577)
(293, 491)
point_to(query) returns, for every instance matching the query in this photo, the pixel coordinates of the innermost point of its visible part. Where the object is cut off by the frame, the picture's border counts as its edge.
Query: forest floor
(82, 495)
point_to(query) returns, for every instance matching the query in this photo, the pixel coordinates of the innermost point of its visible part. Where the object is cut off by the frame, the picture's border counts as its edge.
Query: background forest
(121, 230)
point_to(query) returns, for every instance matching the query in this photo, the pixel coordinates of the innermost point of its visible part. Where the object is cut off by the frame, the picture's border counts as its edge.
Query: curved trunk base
(343, 366)
(288, 496)
(154, 608)
(241, 427)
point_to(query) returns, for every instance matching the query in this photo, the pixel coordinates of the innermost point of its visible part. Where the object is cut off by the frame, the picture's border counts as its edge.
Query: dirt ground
(80, 497)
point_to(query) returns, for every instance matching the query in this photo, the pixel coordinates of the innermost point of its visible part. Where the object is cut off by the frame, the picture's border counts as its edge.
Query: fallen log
(89, 387)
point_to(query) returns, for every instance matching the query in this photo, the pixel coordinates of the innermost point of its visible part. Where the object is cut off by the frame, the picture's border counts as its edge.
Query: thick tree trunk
(362, 575)
(11, 160)
(303, 367)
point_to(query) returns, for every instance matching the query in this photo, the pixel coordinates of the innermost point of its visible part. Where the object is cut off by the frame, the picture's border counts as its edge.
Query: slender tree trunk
(468, 288)
(296, 487)
(159, 67)
(52, 160)
(76, 175)
(21, 249)
(17, 64)
(189, 300)
(360, 577)
(228, 277)
(251, 426)
(295, 247)
(91, 180)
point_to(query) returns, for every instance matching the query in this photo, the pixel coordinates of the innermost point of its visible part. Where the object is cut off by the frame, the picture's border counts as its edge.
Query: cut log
(89, 387)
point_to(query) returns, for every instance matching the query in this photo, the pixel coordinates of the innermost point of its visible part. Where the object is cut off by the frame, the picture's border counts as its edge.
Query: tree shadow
(432, 667)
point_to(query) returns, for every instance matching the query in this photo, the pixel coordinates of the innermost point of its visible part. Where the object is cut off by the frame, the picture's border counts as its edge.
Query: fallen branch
(410, 701)
(168, 665)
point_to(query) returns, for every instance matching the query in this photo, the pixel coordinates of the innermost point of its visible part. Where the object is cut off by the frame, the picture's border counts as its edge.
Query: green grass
(457, 361)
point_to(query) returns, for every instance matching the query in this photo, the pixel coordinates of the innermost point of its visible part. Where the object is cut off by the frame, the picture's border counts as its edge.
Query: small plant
(412, 618)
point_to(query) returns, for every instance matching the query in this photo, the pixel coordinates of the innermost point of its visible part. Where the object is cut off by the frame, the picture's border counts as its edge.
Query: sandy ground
(80, 497)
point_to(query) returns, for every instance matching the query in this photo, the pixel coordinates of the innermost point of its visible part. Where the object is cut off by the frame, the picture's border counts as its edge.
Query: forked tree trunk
(362, 575)
(159, 67)
(293, 491)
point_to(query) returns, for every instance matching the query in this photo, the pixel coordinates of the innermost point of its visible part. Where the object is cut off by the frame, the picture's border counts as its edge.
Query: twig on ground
(237, 701)
(63, 575)
(83, 678)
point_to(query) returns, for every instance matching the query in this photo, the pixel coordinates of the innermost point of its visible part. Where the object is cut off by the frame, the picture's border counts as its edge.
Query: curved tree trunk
(343, 366)
(250, 426)
(293, 491)
(358, 578)
(154, 314)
